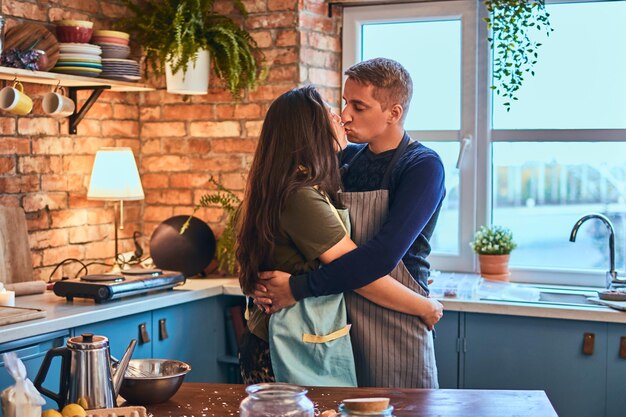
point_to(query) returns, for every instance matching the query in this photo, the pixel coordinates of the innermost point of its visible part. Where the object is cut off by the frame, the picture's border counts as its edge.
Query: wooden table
(222, 400)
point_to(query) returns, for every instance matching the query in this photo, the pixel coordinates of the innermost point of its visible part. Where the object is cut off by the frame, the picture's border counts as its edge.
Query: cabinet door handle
(588, 342)
(162, 329)
(144, 337)
(622, 347)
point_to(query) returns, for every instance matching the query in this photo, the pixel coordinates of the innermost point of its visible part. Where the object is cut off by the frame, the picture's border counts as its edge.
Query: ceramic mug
(57, 105)
(13, 100)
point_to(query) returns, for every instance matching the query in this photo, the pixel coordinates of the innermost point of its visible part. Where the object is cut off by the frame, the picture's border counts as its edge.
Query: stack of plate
(79, 59)
(120, 69)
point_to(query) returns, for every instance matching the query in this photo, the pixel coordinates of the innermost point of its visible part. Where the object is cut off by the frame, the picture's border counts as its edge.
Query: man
(393, 188)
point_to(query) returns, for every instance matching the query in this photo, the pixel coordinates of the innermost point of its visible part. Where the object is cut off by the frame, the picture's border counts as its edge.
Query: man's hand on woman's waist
(274, 293)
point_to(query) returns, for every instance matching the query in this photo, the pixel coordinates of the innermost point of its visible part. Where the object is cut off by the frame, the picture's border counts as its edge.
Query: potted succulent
(178, 36)
(494, 245)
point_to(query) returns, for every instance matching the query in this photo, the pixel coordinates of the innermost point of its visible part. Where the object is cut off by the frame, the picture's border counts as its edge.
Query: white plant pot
(193, 81)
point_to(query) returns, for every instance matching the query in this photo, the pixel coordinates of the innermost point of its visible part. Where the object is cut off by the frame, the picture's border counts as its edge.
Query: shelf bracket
(78, 115)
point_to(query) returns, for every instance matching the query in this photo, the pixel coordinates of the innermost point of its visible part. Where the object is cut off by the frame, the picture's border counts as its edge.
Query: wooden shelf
(51, 78)
(73, 83)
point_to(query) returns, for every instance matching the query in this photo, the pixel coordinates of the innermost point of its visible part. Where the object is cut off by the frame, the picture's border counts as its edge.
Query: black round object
(188, 253)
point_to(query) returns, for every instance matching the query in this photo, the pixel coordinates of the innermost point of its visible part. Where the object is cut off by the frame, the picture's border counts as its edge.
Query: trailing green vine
(513, 25)
(229, 201)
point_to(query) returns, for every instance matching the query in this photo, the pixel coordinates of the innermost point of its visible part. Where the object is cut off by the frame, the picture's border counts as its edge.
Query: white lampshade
(115, 176)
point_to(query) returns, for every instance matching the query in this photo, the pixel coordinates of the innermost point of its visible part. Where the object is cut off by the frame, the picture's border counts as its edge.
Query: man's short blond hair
(392, 82)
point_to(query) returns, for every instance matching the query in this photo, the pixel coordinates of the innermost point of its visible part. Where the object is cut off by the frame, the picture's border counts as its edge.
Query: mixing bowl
(152, 381)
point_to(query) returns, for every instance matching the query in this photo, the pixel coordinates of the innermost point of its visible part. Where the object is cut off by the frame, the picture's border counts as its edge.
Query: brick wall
(179, 142)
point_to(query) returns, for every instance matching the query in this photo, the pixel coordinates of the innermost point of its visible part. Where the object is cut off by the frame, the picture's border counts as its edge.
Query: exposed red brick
(7, 165)
(287, 38)
(157, 214)
(253, 129)
(233, 181)
(238, 111)
(90, 145)
(51, 145)
(37, 126)
(272, 21)
(38, 201)
(53, 256)
(228, 145)
(188, 112)
(316, 22)
(274, 5)
(147, 113)
(162, 129)
(68, 218)
(168, 197)
(78, 164)
(155, 180)
(100, 110)
(24, 9)
(284, 73)
(189, 180)
(7, 125)
(328, 42)
(214, 129)
(120, 128)
(61, 182)
(166, 163)
(186, 146)
(86, 234)
(48, 238)
(222, 163)
(263, 38)
(19, 184)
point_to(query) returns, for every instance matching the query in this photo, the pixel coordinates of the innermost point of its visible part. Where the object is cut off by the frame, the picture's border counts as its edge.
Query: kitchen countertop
(217, 400)
(61, 314)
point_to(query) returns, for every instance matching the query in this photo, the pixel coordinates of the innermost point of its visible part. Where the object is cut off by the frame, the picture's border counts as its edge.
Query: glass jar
(387, 412)
(276, 399)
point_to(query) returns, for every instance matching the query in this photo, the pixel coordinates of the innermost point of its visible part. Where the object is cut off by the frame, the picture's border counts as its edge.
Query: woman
(287, 222)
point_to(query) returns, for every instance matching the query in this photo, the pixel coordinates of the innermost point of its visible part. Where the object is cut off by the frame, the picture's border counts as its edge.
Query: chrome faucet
(611, 275)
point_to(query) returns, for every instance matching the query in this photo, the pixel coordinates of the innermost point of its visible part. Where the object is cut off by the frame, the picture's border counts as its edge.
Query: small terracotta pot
(494, 267)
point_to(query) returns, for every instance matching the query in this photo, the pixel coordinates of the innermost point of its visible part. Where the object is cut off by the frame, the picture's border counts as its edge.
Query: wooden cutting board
(23, 36)
(15, 259)
(10, 315)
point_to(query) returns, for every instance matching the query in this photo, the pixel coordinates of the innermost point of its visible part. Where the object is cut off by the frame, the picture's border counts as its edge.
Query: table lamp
(115, 177)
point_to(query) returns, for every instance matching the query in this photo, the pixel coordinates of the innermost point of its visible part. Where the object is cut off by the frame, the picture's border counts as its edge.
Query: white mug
(57, 105)
(13, 100)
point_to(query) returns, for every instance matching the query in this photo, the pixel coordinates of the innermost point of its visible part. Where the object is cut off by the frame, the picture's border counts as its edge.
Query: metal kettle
(87, 376)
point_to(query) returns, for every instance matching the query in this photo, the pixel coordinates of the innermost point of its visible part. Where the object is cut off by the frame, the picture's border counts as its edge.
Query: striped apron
(391, 349)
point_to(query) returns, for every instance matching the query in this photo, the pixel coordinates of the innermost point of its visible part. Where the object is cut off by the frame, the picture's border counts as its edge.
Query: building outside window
(558, 154)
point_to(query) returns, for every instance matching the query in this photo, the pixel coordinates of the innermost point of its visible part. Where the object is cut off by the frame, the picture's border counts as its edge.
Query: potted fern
(178, 36)
(225, 248)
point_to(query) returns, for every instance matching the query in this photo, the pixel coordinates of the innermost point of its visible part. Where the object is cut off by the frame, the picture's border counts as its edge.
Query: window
(558, 154)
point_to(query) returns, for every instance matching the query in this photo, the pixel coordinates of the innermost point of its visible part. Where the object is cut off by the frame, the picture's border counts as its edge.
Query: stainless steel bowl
(152, 381)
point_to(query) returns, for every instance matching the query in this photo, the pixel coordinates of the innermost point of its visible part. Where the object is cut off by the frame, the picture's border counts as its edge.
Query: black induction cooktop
(105, 287)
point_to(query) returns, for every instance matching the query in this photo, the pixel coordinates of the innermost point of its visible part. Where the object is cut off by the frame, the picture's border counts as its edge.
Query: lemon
(72, 410)
(82, 401)
(51, 413)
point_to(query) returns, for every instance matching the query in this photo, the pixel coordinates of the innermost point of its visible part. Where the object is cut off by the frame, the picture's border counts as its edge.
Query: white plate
(80, 48)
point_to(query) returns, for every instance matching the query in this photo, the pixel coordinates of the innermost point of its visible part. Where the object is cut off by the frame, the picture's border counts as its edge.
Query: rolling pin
(25, 288)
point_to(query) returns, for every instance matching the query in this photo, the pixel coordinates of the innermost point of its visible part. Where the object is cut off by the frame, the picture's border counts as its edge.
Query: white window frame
(475, 170)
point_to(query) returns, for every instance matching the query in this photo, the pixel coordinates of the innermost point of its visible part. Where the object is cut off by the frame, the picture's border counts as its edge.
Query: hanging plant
(514, 25)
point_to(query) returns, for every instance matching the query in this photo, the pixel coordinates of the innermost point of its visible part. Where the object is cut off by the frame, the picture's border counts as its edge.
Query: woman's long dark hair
(296, 149)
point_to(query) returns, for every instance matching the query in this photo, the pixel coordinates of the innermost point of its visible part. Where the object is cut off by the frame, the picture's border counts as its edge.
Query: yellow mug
(14, 100)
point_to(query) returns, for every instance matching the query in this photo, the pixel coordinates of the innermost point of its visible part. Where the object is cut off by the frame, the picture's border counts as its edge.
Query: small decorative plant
(24, 59)
(225, 248)
(174, 31)
(514, 25)
(494, 240)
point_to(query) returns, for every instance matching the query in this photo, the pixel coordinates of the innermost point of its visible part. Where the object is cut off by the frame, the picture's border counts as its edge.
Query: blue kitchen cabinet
(193, 333)
(31, 351)
(616, 371)
(121, 331)
(447, 339)
(510, 352)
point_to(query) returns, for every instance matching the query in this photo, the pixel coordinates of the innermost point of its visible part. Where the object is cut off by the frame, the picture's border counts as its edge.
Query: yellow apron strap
(313, 338)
